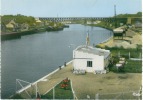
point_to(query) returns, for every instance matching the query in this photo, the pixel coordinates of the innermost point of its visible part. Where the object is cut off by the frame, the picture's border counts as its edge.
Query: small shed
(119, 32)
(90, 59)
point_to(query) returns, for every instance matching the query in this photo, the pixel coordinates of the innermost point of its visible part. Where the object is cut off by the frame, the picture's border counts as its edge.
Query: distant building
(12, 26)
(24, 27)
(93, 22)
(39, 22)
(90, 59)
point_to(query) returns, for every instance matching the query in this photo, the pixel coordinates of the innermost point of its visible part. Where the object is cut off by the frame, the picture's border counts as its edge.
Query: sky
(70, 8)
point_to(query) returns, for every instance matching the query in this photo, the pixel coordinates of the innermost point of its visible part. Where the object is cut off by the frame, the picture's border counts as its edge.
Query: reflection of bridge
(107, 19)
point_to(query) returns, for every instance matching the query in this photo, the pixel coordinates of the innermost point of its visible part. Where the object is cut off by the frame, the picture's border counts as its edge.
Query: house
(24, 27)
(93, 22)
(12, 26)
(39, 22)
(90, 59)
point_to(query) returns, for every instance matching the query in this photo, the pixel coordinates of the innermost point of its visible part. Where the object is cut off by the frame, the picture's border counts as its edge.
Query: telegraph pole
(115, 16)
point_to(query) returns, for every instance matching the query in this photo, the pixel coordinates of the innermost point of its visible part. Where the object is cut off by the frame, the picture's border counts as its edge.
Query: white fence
(129, 56)
(41, 79)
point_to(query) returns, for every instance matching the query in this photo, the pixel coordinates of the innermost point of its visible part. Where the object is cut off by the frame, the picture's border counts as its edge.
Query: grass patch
(130, 67)
(61, 91)
(134, 53)
(133, 66)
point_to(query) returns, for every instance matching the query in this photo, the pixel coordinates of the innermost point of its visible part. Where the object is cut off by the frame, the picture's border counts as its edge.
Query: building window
(89, 63)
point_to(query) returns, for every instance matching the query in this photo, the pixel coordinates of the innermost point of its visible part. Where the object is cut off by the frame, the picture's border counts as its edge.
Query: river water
(34, 56)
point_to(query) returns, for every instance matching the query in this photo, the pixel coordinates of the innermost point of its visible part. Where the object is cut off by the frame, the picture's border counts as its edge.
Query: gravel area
(129, 41)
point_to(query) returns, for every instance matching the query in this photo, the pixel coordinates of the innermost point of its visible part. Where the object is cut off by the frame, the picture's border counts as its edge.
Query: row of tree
(138, 14)
(18, 19)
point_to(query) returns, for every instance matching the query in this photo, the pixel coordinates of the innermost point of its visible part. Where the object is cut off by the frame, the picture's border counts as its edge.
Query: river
(34, 56)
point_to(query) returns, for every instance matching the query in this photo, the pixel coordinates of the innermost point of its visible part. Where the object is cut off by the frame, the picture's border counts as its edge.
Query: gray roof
(95, 51)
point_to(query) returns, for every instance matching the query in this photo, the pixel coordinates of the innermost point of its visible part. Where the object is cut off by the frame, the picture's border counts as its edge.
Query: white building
(90, 59)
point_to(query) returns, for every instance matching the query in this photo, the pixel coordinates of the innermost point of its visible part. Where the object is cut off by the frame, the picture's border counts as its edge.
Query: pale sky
(69, 8)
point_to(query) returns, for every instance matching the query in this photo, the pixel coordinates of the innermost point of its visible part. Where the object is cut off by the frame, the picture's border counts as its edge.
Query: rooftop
(92, 50)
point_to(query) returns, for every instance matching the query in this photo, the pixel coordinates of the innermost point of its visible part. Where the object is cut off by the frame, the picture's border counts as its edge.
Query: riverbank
(106, 85)
(16, 35)
(131, 40)
(106, 25)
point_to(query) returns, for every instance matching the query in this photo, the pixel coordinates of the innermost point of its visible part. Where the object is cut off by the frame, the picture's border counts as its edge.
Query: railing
(28, 86)
(74, 96)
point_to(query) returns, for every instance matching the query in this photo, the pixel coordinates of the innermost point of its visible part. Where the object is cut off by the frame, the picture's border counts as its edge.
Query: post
(53, 93)
(16, 86)
(115, 16)
(119, 54)
(65, 64)
(59, 67)
(36, 89)
(73, 95)
(129, 55)
(97, 96)
(140, 56)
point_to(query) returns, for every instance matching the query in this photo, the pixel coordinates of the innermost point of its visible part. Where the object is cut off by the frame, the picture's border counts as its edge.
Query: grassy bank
(130, 65)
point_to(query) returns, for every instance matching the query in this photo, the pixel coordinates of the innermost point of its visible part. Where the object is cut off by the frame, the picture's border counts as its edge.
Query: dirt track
(129, 41)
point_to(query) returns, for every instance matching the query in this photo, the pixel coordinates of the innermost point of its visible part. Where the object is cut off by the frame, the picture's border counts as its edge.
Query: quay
(9, 35)
(16, 35)
(89, 84)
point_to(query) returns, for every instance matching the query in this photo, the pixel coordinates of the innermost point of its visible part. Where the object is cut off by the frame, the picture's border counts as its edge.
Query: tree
(139, 13)
(20, 19)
